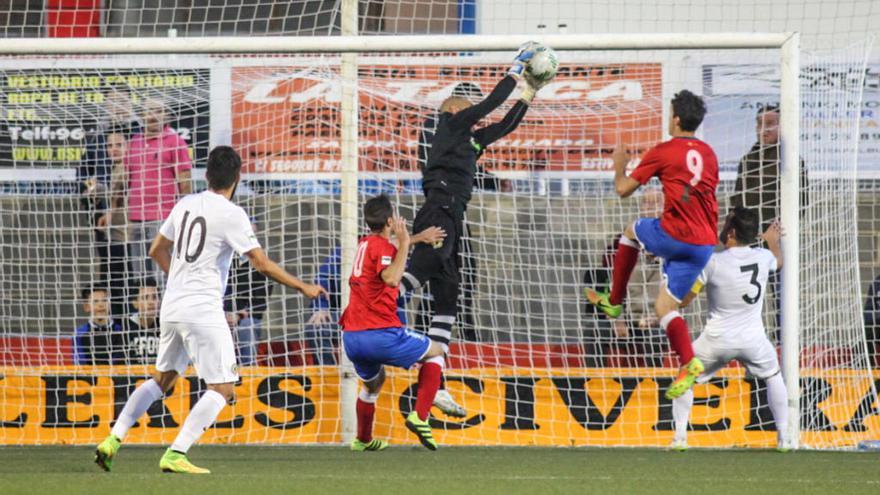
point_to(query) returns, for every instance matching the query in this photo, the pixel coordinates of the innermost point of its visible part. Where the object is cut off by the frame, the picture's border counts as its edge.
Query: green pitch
(449, 471)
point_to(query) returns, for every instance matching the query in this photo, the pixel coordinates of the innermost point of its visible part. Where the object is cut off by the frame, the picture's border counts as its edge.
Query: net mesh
(531, 362)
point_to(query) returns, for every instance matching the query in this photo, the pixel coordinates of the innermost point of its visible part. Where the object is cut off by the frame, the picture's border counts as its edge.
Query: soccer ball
(543, 64)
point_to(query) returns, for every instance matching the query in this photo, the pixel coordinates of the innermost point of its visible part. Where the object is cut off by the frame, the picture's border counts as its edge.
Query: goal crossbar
(366, 44)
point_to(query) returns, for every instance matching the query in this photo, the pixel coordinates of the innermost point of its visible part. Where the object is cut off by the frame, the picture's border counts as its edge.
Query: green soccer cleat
(371, 446)
(686, 379)
(600, 300)
(106, 451)
(422, 429)
(175, 462)
(679, 445)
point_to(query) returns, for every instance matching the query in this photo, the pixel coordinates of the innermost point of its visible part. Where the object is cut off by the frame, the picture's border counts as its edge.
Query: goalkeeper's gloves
(532, 87)
(521, 61)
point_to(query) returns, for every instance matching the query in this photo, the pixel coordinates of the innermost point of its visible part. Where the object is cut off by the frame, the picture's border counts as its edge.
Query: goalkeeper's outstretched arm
(471, 115)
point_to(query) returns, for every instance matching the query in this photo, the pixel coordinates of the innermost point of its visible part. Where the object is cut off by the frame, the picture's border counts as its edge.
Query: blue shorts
(682, 262)
(368, 350)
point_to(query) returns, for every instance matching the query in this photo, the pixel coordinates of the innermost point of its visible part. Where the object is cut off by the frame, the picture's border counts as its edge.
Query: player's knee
(665, 304)
(227, 390)
(375, 385)
(629, 232)
(434, 350)
(165, 379)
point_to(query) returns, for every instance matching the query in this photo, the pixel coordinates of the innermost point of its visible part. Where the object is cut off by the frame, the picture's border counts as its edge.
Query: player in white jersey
(735, 280)
(195, 246)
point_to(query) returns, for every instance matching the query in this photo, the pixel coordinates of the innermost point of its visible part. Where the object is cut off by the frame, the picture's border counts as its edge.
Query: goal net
(530, 361)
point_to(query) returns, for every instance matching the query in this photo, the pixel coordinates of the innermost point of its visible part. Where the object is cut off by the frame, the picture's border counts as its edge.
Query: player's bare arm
(623, 184)
(263, 264)
(184, 182)
(392, 275)
(160, 251)
(429, 236)
(772, 237)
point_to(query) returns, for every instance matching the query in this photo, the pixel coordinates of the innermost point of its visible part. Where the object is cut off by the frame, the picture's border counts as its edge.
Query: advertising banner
(286, 119)
(507, 406)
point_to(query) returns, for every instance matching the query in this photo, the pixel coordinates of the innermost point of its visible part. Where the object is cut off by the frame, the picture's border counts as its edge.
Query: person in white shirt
(735, 280)
(194, 247)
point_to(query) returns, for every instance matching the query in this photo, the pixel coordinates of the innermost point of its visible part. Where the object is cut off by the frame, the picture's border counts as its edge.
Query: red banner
(286, 119)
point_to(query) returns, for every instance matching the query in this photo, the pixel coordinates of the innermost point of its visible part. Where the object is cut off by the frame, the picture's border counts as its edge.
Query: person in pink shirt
(159, 173)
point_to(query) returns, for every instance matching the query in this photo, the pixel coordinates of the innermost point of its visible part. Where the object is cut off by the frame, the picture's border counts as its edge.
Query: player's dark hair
(147, 282)
(88, 291)
(377, 211)
(224, 165)
(744, 221)
(690, 110)
(767, 109)
(467, 90)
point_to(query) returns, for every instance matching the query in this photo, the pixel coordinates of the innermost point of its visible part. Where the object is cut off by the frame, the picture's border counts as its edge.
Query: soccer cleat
(444, 401)
(600, 300)
(679, 445)
(175, 462)
(371, 446)
(686, 378)
(106, 451)
(422, 429)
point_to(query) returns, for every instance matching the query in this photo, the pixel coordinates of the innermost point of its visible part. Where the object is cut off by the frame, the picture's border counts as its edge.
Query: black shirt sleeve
(468, 117)
(491, 133)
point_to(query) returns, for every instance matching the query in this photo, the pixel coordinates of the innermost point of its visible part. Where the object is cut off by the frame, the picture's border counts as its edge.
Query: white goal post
(350, 45)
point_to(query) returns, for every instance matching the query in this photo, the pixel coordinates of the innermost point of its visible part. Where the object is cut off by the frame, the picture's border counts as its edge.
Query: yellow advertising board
(507, 406)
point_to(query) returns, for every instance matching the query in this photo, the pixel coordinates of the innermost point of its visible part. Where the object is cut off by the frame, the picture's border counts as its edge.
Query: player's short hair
(690, 110)
(223, 168)
(771, 108)
(377, 211)
(454, 101)
(745, 223)
(468, 90)
(88, 291)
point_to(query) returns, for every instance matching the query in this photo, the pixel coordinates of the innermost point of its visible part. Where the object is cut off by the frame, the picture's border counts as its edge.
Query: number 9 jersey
(688, 170)
(206, 229)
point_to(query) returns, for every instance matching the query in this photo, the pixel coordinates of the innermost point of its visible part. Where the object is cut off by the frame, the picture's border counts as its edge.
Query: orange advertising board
(286, 119)
(507, 406)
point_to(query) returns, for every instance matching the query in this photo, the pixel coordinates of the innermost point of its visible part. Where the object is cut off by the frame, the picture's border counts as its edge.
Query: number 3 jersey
(688, 170)
(206, 229)
(736, 282)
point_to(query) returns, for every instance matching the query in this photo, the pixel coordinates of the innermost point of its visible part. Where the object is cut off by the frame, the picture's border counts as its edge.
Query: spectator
(98, 341)
(159, 171)
(322, 329)
(141, 329)
(247, 294)
(872, 323)
(757, 178)
(115, 223)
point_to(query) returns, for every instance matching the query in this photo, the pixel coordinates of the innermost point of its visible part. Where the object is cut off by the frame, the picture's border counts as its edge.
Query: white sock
(200, 418)
(141, 400)
(777, 396)
(681, 412)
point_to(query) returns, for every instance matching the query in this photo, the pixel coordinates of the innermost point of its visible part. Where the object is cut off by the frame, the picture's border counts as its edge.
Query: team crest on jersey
(386, 260)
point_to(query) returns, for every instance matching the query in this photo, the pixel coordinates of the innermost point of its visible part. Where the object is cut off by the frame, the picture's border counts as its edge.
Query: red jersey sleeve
(382, 256)
(649, 166)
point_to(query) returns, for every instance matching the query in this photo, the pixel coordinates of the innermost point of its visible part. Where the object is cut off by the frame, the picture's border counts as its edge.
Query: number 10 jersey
(736, 283)
(206, 229)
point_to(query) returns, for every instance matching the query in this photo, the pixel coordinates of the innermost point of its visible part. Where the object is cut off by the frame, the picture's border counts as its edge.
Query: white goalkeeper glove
(521, 60)
(532, 87)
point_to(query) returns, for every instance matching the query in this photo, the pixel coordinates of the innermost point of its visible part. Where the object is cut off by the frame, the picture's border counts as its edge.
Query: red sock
(429, 382)
(365, 413)
(625, 260)
(679, 336)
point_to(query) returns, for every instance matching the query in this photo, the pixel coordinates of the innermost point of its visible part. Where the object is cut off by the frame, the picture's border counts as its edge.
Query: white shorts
(209, 347)
(758, 356)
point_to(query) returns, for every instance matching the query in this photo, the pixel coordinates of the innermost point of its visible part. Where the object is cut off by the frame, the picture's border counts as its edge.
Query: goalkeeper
(448, 180)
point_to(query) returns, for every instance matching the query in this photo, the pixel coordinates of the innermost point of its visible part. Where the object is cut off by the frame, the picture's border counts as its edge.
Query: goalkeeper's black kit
(448, 180)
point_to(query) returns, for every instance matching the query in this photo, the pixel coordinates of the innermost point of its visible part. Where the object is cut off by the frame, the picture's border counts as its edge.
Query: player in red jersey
(372, 333)
(684, 236)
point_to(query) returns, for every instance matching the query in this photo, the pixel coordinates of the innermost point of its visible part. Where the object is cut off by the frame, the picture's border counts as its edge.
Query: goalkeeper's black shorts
(438, 263)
